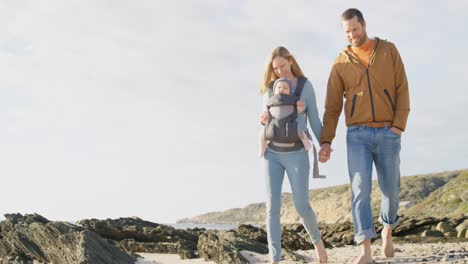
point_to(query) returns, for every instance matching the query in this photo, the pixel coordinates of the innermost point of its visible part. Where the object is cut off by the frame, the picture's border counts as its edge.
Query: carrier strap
(299, 87)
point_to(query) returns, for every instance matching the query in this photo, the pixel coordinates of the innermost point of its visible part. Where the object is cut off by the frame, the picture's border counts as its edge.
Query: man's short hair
(351, 13)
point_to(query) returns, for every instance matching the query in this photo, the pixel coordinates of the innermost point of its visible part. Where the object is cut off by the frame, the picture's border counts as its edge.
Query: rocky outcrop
(24, 239)
(226, 246)
(410, 229)
(136, 235)
(28, 238)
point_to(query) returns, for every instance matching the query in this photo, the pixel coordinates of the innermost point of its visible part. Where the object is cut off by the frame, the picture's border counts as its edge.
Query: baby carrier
(282, 130)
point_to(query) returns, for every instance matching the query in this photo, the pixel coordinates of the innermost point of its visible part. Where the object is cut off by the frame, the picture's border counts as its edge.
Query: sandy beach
(405, 253)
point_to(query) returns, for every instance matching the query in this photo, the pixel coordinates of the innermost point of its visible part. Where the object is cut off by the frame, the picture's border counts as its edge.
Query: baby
(282, 86)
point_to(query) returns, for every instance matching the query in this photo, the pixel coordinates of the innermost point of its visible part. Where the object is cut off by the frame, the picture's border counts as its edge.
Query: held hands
(325, 152)
(300, 106)
(265, 118)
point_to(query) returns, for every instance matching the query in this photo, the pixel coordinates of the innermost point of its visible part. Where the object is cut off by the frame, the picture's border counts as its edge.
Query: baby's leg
(304, 139)
(263, 143)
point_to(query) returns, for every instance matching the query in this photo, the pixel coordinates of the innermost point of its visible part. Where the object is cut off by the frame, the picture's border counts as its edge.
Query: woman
(281, 64)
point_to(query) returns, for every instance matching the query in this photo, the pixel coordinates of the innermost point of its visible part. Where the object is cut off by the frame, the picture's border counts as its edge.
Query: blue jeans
(382, 147)
(296, 165)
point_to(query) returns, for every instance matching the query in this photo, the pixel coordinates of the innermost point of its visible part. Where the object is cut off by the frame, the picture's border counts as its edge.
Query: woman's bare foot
(387, 243)
(321, 252)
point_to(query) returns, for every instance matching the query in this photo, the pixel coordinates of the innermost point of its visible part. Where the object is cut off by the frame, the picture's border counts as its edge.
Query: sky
(151, 108)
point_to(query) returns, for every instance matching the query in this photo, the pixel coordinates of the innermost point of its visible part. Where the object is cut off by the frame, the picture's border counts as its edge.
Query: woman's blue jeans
(296, 165)
(367, 146)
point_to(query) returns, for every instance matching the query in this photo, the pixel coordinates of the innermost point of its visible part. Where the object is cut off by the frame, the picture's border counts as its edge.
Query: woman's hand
(265, 118)
(300, 106)
(325, 152)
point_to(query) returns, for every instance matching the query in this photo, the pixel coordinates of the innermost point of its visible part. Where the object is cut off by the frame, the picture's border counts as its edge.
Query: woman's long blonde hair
(269, 75)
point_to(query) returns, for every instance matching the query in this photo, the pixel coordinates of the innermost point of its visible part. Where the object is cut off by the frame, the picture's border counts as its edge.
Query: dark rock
(444, 227)
(337, 235)
(252, 232)
(225, 246)
(196, 231)
(432, 233)
(293, 256)
(34, 238)
(408, 225)
(294, 237)
(131, 246)
(136, 235)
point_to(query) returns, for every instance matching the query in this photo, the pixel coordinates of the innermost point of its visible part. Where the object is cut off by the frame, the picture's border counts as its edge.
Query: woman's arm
(265, 117)
(308, 96)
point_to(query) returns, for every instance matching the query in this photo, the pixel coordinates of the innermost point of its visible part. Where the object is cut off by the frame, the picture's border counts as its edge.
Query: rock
(253, 232)
(137, 235)
(184, 248)
(294, 237)
(225, 246)
(348, 239)
(432, 233)
(337, 235)
(457, 219)
(444, 227)
(413, 225)
(33, 238)
(463, 225)
(462, 229)
(450, 234)
(292, 256)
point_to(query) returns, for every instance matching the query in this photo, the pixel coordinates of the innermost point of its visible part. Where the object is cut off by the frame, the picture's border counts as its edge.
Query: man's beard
(361, 41)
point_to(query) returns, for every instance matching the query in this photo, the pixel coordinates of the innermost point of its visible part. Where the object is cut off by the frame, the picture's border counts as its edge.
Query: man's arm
(333, 106)
(402, 101)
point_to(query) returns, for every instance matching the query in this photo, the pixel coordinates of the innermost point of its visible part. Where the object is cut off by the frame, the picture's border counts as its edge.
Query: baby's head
(282, 86)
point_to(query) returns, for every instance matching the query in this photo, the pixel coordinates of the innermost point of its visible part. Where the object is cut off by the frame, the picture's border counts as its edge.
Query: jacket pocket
(353, 105)
(390, 99)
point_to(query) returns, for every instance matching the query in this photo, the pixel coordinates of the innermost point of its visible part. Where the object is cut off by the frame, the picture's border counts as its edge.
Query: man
(370, 74)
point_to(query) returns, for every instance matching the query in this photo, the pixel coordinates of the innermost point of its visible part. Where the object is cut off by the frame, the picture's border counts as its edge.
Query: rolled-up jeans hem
(390, 225)
(364, 235)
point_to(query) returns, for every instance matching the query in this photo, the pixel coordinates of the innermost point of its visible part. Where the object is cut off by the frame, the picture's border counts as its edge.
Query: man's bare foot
(364, 260)
(387, 243)
(321, 252)
(366, 253)
(275, 262)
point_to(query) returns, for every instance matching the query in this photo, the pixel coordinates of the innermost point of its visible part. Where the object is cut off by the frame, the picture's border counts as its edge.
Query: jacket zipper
(370, 94)
(354, 104)
(390, 99)
(368, 77)
(368, 81)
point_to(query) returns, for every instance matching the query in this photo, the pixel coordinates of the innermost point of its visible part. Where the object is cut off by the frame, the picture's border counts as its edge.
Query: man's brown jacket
(376, 93)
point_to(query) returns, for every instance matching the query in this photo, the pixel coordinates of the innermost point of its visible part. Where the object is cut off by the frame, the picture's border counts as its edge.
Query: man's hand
(396, 130)
(325, 152)
(265, 118)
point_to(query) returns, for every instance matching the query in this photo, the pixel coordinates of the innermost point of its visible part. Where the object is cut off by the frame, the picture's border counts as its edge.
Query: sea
(206, 226)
